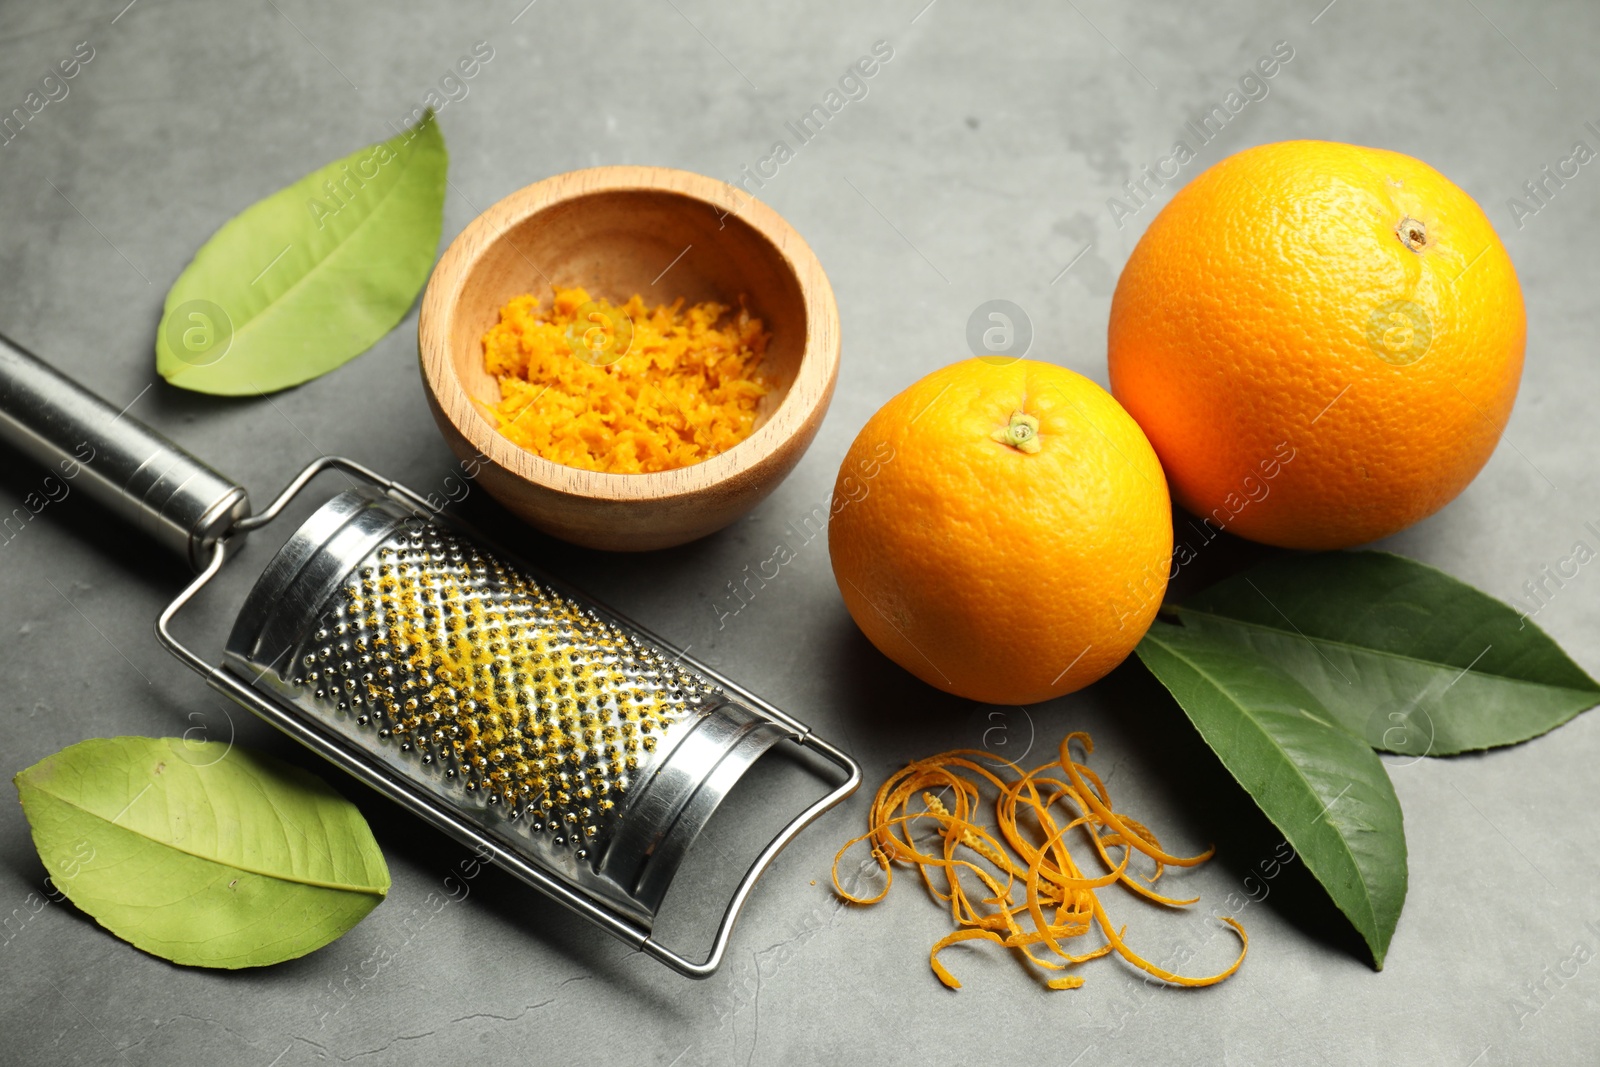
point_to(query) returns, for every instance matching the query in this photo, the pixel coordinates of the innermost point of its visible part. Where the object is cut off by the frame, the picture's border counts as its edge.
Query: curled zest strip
(1035, 814)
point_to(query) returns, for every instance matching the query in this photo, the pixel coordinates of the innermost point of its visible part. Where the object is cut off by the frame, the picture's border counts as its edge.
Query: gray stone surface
(978, 167)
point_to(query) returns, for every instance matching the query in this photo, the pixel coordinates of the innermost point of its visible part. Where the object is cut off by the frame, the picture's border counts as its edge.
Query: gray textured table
(978, 166)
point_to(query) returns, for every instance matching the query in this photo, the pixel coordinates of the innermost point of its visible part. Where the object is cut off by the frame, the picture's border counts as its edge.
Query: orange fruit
(1322, 341)
(1002, 530)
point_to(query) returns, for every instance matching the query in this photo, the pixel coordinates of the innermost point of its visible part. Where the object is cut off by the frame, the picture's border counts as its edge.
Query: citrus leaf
(1399, 653)
(312, 276)
(1325, 790)
(202, 853)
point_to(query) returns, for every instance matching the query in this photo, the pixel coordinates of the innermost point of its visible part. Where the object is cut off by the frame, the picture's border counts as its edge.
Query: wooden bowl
(617, 231)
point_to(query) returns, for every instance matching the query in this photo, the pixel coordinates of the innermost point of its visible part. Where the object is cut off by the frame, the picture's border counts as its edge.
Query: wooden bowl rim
(818, 365)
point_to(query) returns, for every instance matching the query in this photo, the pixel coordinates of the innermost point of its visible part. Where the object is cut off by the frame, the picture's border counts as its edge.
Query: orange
(1002, 530)
(1322, 341)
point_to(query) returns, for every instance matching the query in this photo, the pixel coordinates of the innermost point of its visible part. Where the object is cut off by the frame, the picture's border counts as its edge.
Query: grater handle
(140, 475)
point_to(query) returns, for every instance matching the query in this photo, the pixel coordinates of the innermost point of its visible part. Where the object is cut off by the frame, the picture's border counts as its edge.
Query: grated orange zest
(668, 387)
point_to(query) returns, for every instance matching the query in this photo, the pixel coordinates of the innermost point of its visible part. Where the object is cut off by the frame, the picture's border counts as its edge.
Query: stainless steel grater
(577, 750)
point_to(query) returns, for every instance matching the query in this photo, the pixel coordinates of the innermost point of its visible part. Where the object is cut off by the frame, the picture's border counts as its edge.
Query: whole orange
(1322, 341)
(1002, 530)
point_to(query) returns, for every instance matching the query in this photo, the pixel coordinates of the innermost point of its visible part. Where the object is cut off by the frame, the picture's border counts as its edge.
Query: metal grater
(578, 751)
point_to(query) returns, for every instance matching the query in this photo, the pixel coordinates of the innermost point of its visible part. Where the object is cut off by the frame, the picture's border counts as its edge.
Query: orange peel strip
(1036, 812)
(950, 939)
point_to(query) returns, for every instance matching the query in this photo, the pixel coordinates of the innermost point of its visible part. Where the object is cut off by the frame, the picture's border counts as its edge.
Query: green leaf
(1401, 654)
(1325, 790)
(201, 853)
(312, 276)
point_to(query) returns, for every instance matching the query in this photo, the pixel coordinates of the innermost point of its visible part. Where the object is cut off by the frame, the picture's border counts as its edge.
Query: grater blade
(559, 731)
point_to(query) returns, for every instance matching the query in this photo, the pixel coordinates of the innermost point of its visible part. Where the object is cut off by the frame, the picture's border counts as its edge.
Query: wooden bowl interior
(616, 243)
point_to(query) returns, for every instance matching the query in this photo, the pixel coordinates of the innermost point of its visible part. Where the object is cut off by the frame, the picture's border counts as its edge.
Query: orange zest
(1035, 813)
(624, 388)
